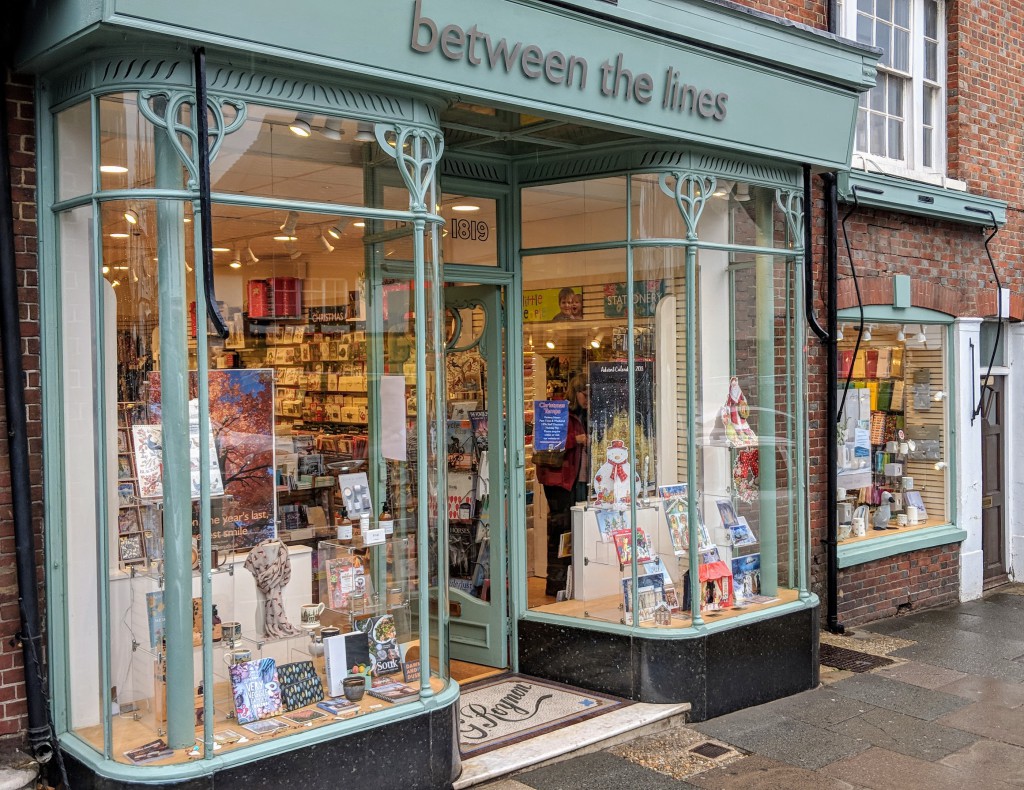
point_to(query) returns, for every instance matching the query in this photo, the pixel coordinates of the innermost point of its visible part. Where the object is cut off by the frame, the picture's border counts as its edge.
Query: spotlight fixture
(301, 125)
(901, 336)
(465, 207)
(251, 255)
(113, 169)
(188, 268)
(236, 262)
(940, 465)
(286, 238)
(325, 245)
(293, 252)
(939, 396)
(866, 336)
(106, 270)
(335, 231)
(839, 332)
(359, 224)
(364, 132)
(550, 344)
(187, 220)
(221, 249)
(332, 129)
(595, 343)
(118, 235)
(114, 283)
(131, 217)
(290, 223)
(920, 337)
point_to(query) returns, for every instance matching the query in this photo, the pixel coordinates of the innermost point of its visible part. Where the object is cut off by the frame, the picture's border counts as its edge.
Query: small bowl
(354, 687)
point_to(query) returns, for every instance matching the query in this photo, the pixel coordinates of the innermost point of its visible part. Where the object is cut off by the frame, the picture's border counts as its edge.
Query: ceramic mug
(913, 514)
(233, 657)
(901, 519)
(328, 631)
(232, 632)
(859, 527)
(310, 614)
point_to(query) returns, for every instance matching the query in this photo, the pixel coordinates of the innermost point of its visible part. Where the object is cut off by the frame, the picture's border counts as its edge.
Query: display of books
(394, 692)
(382, 640)
(344, 655)
(256, 690)
(346, 577)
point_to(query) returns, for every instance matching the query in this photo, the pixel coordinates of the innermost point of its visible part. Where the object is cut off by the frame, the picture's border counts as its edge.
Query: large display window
(258, 526)
(663, 406)
(893, 458)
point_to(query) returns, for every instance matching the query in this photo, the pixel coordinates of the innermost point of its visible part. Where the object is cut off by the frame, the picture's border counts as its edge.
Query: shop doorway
(475, 380)
(993, 515)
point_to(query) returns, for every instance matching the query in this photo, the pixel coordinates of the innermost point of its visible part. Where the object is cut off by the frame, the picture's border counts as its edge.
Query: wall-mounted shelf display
(892, 431)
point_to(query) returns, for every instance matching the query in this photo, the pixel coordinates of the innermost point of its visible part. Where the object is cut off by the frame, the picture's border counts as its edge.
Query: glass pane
(574, 336)
(931, 19)
(901, 49)
(284, 154)
(895, 139)
(862, 131)
(877, 93)
(931, 61)
(883, 40)
(927, 104)
(883, 9)
(901, 13)
(865, 27)
(74, 151)
(896, 478)
(471, 236)
(866, 6)
(82, 480)
(877, 123)
(895, 86)
(578, 212)
(927, 144)
(126, 144)
(753, 219)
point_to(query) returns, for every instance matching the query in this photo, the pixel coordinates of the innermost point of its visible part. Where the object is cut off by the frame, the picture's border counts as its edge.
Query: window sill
(911, 197)
(878, 548)
(889, 167)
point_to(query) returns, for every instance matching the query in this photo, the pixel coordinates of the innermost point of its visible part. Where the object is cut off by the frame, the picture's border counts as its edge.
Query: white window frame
(913, 102)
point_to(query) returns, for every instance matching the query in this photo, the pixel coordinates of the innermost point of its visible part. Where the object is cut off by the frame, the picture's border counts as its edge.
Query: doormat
(853, 660)
(512, 708)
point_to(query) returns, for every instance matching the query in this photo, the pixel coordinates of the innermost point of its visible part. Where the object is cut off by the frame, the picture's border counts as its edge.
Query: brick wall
(21, 124)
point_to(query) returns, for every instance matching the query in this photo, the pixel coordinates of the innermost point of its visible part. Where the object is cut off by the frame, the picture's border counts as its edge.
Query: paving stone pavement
(948, 714)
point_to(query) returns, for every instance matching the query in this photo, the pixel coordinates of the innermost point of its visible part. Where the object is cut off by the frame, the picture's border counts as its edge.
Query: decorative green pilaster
(764, 322)
(176, 462)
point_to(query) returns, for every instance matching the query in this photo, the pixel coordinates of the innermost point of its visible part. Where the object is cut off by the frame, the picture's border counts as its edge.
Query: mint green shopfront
(405, 224)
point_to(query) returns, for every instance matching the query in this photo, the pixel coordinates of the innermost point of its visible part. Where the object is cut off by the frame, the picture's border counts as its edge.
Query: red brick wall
(883, 588)
(21, 125)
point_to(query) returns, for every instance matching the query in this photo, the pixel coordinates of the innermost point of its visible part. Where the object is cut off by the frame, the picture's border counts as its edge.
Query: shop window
(576, 212)
(610, 448)
(321, 511)
(470, 235)
(893, 431)
(902, 119)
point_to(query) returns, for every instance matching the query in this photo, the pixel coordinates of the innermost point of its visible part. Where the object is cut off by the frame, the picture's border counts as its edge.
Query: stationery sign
(646, 295)
(550, 424)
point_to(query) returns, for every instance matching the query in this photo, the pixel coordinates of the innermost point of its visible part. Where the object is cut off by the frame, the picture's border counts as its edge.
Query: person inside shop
(559, 490)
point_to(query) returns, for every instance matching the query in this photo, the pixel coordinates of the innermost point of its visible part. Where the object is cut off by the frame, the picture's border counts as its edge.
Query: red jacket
(565, 477)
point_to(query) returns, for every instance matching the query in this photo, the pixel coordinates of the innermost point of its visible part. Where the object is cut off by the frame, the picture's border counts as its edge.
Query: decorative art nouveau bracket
(690, 191)
(163, 109)
(791, 203)
(417, 152)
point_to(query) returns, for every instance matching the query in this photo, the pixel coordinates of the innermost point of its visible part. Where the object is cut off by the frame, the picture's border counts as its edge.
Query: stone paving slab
(787, 740)
(598, 771)
(990, 690)
(989, 761)
(900, 697)
(884, 770)
(761, 773)
(924, 675)
(991, 721)
(968, 663)
(967, 643)
(821, 707)
(904, 734)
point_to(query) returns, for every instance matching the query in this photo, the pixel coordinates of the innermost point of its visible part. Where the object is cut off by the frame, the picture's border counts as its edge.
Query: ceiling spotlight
(290, 223)
(106, 270)
(135, 276)
(364, 132)
(839, 332)
(188, 268)
(359, 224)
(550, 344)
(335, 231)
(901, 336)
(221, 249)
(118, 235)
(251, 255)
(332, 129)
(465, 207)
(293, 252)
(939, 396)
(301, 125)
(132, 217)
(595, 343)
(742, 192)
(118, 169)
(866, 336)
(236, 262)
(940, 465)
(286, 238)
(187, 220)
(114, 283)
(920, 337)
(325, 245)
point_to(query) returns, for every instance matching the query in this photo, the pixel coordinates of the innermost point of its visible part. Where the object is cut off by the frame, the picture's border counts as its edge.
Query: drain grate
(853, 660)
(710, 750)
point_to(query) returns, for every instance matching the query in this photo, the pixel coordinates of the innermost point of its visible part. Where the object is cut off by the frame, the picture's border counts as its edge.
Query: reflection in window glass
(577, 212)
(74, 151)
(126, 142)
(893, 464)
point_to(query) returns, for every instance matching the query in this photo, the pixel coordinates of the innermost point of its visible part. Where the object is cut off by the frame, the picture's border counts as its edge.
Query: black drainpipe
(831, 405)
(40, 736)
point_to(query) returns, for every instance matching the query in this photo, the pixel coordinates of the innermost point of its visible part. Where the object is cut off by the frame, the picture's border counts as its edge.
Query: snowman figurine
(611, 483)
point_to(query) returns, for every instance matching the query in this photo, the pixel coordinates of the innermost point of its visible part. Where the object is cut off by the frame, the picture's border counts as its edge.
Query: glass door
(475, 440)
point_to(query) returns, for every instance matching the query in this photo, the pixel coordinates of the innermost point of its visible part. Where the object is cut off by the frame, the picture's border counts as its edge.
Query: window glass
(127, 142)
(893, 464)
(471, 235)
(74, 151)
(552, 215)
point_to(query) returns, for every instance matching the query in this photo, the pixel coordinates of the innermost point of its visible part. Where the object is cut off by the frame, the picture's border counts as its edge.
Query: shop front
(436, 350)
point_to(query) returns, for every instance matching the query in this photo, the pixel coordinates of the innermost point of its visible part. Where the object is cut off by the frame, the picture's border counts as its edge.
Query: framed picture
(126, 494)
(122, 441)
(131, 548)
(124, 467)
(128, 520)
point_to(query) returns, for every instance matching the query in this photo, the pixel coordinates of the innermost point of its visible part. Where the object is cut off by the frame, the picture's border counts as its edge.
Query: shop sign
(336, 314)
(646, 295)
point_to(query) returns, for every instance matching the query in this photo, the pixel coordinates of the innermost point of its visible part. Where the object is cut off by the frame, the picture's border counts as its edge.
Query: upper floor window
(901, 118)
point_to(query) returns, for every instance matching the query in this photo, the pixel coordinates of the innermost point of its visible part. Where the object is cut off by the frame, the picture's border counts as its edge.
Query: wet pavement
(947, 713)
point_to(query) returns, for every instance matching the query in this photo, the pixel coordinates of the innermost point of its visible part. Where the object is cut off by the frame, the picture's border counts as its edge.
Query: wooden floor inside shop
(137, 728)
(609, 609)
(465, 672)
(535, 592)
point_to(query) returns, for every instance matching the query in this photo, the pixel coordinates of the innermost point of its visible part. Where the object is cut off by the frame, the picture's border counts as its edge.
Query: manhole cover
(853, 660)
(710, 750)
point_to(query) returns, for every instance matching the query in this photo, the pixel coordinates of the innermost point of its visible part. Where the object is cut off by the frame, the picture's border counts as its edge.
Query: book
(344, 655)
(256, 690)
(884, 395)
(896, 366)
(884, 362)
(382, 640)
(345, 576)
(300, 685)
(859, 365)
(394, 692)
(623, 546)
(304, 716)
(896, 404)
(153, 750)
(845, 362)
(336, 706)
(650, 592)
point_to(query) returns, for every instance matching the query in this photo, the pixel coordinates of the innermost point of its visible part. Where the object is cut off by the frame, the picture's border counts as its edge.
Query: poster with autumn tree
(242, 421)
